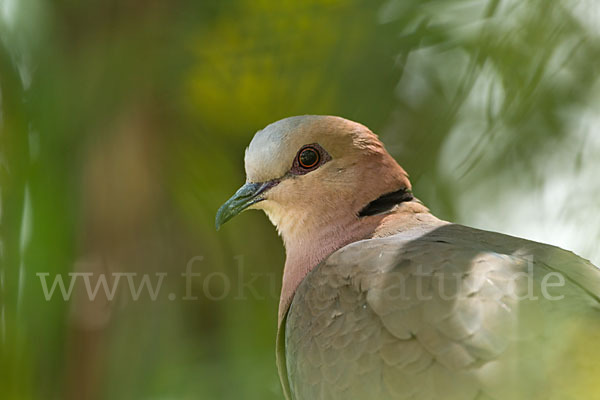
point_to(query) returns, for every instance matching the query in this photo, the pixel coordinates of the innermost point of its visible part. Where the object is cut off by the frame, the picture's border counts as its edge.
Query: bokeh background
(122, 129)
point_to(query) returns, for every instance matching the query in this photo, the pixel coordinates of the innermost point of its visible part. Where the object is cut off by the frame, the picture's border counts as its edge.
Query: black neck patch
(386, 202)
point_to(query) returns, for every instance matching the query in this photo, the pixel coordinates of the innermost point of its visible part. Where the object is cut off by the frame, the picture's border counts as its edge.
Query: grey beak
(248, 194)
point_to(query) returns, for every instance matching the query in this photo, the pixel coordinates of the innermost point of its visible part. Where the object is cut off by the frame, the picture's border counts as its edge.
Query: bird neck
(354, 212)
(307, 249)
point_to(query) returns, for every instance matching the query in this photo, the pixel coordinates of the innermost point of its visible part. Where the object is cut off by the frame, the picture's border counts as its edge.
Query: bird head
(308, 171)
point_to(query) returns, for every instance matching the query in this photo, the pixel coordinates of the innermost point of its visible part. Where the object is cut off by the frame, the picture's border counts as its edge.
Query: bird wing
(453, 313)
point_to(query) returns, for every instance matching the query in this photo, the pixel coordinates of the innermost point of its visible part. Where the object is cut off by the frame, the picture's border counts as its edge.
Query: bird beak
(250, 193)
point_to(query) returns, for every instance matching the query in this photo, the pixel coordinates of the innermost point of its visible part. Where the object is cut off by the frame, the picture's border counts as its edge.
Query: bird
(380, 299)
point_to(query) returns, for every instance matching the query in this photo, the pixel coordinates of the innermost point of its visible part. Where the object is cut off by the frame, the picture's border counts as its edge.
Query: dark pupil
(308, 158)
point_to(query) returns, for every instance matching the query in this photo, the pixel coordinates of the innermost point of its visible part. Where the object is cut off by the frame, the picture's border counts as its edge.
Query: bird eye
(308, 157)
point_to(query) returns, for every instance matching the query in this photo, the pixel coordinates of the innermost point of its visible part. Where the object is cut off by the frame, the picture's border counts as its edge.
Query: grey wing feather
(448, 314)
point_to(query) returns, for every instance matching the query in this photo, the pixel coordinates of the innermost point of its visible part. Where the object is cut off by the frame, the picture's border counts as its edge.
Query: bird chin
(273, 210)
(259, 205)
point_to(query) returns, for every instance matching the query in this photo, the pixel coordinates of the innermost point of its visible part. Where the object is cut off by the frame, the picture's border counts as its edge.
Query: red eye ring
(308, 157)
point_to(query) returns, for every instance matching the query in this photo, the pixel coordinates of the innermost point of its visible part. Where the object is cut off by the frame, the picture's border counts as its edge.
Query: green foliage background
(123, 126)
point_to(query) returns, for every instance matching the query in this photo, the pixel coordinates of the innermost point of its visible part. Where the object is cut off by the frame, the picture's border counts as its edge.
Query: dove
(382, 300)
